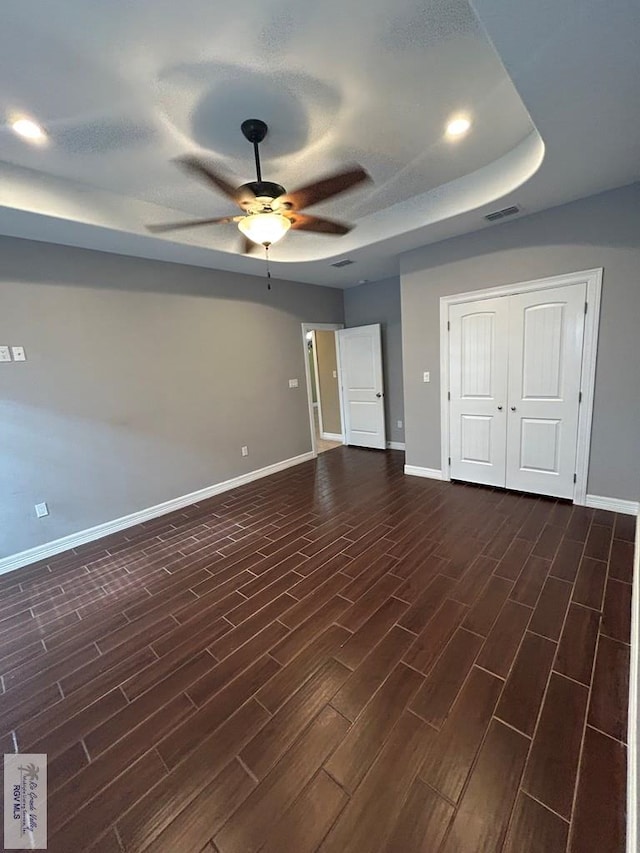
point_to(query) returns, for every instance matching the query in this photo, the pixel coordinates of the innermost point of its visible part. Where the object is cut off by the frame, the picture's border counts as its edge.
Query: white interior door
(545, 361)
(362, 387)
(478, 349)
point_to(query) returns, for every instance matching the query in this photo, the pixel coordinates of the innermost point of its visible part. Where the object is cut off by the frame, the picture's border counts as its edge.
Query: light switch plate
(41, 510)
(293, 383)
(335, 374)
(5, 353)
(19, 354)
(426, 376)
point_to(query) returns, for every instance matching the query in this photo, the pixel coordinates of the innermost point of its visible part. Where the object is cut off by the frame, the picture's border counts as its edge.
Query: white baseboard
(331, 436)
(593, 501)
(633, 731)
(430, 473)
(613, 504)
(395, 445)
(24, 558)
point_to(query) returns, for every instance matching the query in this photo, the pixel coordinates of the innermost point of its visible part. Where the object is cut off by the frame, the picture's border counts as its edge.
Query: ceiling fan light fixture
(264, 228)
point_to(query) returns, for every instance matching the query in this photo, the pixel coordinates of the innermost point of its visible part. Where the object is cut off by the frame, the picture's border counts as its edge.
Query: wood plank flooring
(336, 658)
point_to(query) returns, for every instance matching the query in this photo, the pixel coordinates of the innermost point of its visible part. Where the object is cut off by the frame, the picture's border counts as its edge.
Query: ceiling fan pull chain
(266, 254)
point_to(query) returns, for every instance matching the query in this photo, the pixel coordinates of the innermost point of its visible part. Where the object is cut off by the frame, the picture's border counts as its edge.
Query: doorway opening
(323, 385)
(349, 389)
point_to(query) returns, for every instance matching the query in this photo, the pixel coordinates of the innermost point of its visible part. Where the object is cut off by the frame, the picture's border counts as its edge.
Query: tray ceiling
(123, 87)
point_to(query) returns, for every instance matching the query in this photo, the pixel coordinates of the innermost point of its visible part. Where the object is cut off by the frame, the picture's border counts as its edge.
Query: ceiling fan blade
(326, 188)
(192, 223)
(211, 176)
(304, 222)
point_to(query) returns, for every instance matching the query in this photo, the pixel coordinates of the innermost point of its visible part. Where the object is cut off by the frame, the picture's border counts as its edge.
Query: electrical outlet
(41, 510)
(335, 374)
(426, 376)
(399, 424)
(245, 450)
(5, 353)
(19, 354)
(293, 383)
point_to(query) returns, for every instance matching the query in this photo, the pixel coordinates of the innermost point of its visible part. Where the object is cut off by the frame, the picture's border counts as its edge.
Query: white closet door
(545, 360)
(361, 373)
(478, 342)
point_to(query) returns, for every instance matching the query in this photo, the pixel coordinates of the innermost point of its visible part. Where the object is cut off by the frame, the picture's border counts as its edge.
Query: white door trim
(593, 279)
(320, 327)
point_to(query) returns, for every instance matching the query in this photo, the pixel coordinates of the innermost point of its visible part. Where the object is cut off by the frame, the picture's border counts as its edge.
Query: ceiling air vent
(500, 214)
(344, 263)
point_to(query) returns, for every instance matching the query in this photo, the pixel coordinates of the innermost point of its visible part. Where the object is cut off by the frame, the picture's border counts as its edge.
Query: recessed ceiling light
(458, 127)
(29, 129)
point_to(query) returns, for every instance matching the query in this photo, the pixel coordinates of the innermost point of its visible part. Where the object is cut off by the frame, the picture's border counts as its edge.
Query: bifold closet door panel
(546, 330)
(478, 352)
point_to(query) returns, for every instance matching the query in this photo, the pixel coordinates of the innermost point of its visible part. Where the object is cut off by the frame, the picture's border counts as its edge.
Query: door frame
(593, 279)
(320, 327)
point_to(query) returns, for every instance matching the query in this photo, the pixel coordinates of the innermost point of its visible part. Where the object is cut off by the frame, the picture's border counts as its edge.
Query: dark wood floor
(336, 658)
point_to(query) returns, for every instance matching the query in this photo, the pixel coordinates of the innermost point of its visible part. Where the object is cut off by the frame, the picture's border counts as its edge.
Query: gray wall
(380, 303)
(601, 231)
(143, 380)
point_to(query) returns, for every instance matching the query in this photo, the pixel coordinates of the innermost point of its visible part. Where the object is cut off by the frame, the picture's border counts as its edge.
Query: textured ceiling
(123, 86)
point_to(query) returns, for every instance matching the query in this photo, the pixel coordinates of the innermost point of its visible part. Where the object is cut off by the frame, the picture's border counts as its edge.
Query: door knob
(499, 408)
(513, 408)
(378, 394)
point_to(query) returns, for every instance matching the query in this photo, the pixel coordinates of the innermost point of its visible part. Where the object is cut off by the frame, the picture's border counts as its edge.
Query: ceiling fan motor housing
(263, 192)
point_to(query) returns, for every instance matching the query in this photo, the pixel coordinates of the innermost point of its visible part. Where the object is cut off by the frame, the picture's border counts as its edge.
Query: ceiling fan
(269, 211)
